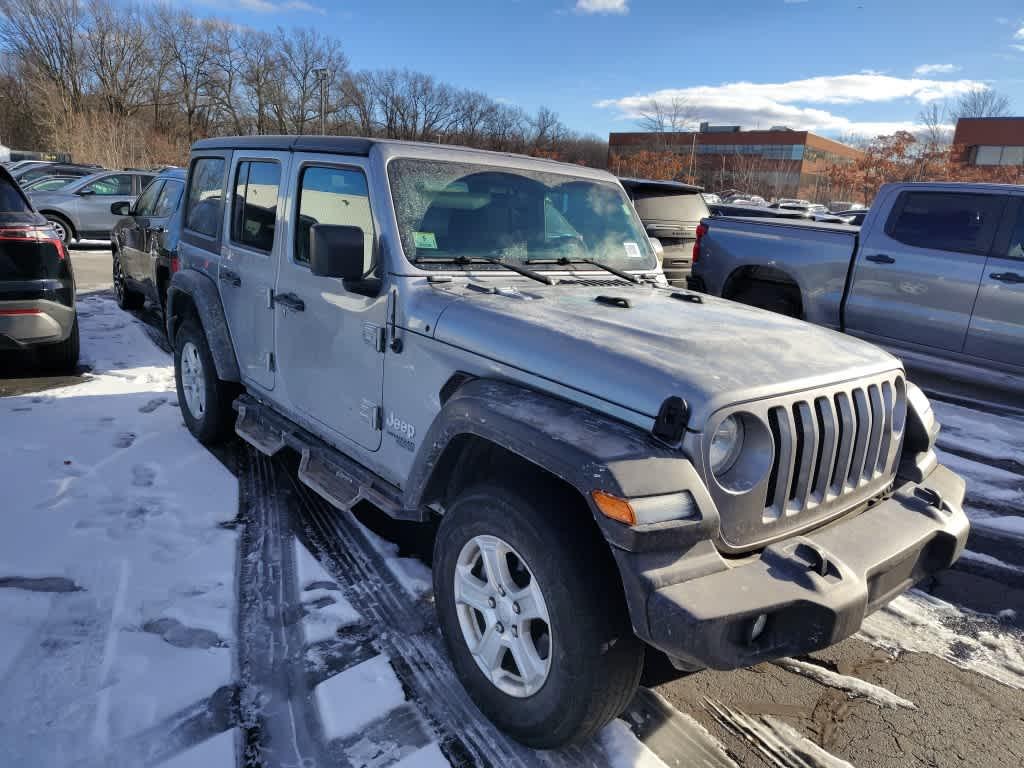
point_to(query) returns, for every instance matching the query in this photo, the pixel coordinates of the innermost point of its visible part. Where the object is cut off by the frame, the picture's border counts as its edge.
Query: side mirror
(121, 209)
(659, 249)
(336, 250)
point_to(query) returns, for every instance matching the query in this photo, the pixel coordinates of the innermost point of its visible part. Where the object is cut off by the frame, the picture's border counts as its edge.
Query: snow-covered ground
(118, 592)
(118, 598)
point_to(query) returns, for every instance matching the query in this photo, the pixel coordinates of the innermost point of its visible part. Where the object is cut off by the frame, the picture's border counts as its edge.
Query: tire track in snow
(279, 721)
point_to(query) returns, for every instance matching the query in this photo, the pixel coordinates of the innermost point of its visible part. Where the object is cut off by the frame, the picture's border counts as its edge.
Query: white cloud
(1019, 34)
(267, 6)
(936, 69)
(602, 6)
(763, 105)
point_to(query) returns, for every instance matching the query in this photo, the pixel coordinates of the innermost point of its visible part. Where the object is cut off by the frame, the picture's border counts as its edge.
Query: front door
(916, 279)
(132, 243)
(329, 334)
(248, 260)
(94, 200)
(997, 326)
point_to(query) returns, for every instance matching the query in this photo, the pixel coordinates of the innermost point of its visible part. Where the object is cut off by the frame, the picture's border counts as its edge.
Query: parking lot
(306, 632)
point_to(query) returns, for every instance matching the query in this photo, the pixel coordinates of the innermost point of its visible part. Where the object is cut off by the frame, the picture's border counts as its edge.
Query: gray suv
(485, 342)
(82, 210)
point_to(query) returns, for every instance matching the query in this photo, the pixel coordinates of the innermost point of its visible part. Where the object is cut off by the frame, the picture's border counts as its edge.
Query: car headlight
(726, 445)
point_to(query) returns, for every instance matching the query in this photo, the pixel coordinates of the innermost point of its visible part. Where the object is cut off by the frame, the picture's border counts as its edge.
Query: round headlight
(726, 445)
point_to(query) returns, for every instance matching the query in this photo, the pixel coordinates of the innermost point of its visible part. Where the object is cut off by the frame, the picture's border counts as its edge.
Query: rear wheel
(205, 400)
(62, 227)
(127, 298)
(61, 357)
(533, 615)
(779, 298)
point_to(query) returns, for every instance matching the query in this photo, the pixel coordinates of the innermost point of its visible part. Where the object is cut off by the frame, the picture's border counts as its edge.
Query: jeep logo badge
(402, 431)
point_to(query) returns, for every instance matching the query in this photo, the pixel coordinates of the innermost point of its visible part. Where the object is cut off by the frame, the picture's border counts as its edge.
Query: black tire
(596, 660)
(127, 298)
(62, 226)
(778, 299)
(61, 357)
(214, 422)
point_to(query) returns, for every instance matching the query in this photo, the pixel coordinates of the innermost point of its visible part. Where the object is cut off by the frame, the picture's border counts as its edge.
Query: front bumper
(813, 590)
(28, 322)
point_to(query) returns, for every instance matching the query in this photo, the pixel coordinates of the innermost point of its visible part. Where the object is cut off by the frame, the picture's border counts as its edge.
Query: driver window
(333, 196)
(144, 205)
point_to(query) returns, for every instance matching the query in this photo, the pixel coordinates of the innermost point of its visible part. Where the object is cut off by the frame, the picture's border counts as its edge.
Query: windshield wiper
(565, 260)
(466, 260)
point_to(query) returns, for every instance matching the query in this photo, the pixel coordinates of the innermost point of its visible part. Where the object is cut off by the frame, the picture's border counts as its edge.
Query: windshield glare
(448, 211)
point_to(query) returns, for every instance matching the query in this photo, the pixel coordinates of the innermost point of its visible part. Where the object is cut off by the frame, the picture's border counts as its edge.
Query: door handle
(1007, 277)
(290, 301)
(881, 258)
(227, 276)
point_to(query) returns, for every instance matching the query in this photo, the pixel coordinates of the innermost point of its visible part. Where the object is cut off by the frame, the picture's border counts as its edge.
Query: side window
(945, 221)
(206, 196)
(254, 207)
(169, 198)
(333, 196)
(144, 205)
(115, 184)
(1015, 250)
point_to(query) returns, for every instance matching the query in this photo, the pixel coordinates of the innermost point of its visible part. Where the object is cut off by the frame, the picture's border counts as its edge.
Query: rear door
(248, 263)
(93, 207)
(329, 336)
(915, 279)
(997, 325)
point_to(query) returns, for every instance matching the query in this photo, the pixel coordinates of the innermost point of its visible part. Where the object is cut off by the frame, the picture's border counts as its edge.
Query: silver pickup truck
(935, 274)
(486, 343)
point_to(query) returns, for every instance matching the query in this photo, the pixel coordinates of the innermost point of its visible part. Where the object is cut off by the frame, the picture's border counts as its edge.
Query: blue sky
(834, 66)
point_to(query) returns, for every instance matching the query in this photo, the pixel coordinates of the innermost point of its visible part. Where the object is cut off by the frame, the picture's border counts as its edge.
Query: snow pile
(624, 750)
(972, 641)
(116, 581)
(854, 686)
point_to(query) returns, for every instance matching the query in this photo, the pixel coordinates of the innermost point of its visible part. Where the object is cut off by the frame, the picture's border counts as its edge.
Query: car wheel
(533, 615)
(204, 399)
(126, 297)
(61, 226)
(61, 357)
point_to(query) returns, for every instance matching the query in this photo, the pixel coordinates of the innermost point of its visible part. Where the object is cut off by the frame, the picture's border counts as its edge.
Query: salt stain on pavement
(117, 498)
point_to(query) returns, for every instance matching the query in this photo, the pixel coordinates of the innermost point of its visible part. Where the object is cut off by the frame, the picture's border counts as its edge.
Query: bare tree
(667, 115)
(980, 102)
(935, 119)
(118, 55)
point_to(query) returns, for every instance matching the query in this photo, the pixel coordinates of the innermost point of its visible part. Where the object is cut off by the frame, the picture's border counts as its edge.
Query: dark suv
(671, 212)
(145, 241)
(37, 285)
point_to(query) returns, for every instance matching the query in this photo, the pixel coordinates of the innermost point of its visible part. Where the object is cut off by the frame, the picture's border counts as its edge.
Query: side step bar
(341, 481)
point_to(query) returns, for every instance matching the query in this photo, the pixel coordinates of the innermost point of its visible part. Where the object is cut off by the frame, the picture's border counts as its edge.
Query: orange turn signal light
(614, 508)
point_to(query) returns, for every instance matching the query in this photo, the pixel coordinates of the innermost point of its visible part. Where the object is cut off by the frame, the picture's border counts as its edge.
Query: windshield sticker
(632, 251)
(425, 240)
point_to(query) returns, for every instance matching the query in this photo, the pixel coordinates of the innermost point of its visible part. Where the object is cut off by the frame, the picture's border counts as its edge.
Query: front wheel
(205, 400)
(533, 614)
(126, 297)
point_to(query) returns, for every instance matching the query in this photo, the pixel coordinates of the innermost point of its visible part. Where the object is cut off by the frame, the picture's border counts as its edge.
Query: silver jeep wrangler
(486, 341)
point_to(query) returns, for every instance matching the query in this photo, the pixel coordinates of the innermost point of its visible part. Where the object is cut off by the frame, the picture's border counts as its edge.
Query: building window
(988, 155)
(1013, 156)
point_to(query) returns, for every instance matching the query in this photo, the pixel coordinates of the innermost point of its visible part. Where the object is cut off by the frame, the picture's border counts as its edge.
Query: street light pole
(321, 75)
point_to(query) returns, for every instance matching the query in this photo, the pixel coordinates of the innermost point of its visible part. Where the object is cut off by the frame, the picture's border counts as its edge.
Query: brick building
(988, 141)
(774, 163)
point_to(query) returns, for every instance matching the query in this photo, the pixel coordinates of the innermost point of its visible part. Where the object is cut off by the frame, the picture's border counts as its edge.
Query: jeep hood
(712, 353)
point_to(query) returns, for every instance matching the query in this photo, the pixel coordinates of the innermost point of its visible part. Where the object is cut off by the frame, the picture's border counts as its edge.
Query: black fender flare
(588, 450)
(203, 293)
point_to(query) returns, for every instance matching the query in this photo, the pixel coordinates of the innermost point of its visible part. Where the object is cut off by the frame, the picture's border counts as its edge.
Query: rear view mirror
(121, 209)
(336, 251)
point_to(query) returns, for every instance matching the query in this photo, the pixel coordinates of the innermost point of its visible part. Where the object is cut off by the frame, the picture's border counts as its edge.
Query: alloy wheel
(503, 616)
(193, 380)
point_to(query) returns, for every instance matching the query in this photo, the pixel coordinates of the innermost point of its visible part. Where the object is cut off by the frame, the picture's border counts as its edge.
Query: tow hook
(934, 499)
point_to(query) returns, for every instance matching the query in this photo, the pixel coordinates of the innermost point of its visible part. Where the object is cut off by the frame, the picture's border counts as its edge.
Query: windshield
(448, 211)
(678, 208)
